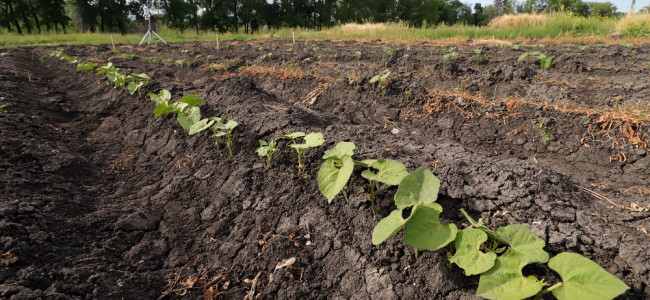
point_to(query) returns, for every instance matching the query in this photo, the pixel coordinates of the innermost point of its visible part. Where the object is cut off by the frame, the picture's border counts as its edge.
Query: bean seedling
(418, 212)
(383, 80)
(478, 56)
(544, 61)
(267, 149)
(313, 139)
(388, 171)
(500, 256)
(186, 109)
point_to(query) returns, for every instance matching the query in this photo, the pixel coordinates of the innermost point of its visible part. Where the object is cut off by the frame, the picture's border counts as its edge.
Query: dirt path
(102, 200)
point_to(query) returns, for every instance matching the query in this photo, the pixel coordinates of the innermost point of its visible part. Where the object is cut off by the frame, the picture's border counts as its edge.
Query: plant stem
(372, 196)
(546, 291)
(299, 162)
(229, 144)
(417, 253)
(269, 161)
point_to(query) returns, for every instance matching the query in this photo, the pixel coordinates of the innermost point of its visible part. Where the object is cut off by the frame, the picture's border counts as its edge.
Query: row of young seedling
(132, 82)
(498, 257)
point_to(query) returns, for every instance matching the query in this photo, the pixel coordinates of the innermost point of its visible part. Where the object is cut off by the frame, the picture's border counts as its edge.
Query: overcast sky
(621, 5)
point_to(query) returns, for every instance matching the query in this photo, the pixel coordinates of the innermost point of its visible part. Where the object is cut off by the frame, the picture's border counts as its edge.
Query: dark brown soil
(100, 200)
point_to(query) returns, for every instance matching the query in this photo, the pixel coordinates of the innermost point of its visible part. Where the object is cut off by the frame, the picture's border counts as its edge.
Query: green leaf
(523, 56)
(468, 254)
(142, 76)
(584, 279)
(332, 179)
(374, 79)
(133, 87)
(424, 231)
(313, 139)
(524, 242)
(187, 118)
(388, 171)
(341, 149)
(506, 281)
(265, 148)
(388, 226)
(293, 136)
(545, 63)
(201, 125)
(418, 187)
(192, 100)
(368, 162)
(163, 96)
(228, 126)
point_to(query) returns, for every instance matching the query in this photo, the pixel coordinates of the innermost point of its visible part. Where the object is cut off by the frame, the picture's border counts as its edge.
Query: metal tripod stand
(150, 33)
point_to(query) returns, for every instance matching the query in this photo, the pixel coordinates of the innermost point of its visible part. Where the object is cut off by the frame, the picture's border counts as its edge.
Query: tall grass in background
(635, 25)
(553, 25)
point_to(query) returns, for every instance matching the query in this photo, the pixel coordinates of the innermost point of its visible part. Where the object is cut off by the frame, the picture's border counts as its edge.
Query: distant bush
(635, 24)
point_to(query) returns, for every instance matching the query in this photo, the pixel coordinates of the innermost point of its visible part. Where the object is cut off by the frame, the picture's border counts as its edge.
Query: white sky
(621, 5)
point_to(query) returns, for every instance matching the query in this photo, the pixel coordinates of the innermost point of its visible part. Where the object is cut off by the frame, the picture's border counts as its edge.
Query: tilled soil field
(101, 200)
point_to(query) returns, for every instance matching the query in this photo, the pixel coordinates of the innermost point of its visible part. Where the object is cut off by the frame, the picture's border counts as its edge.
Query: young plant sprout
(500, 256)
(544, 61)
(313, 139)
(86, 66)
(383, 80)
(220, 129)
(267, 149)
(418, 212)
(386, 171)
(478, 56)
(186, 109)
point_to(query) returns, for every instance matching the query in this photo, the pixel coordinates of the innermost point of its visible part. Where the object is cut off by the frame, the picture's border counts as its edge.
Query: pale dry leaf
(285, 263)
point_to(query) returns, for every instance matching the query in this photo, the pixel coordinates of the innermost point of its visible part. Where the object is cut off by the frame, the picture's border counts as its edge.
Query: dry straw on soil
(634, 24)
(519, 20)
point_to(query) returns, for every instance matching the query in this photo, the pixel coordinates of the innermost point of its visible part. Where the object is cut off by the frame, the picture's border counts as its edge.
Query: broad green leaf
(264, 148)
(522, 56)
(192, 100)
(341, 149)
(332, 179)
(163, 97)
(313, 139)
(374, 79)
(424, 231)
(524, 242)
(368, 162)
(161, 109)
(584, 279)
(468, 254)
(388, 171)
(293, 136)
(505, 280)
(201, 125)
(187, 118)
(228, 126)
(545, 63)
(134, 86)
(388, 226)
(112, 76)
(418, 187)
(140, 76)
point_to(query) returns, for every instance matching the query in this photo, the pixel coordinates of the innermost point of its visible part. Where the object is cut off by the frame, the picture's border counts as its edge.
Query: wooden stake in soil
(217, 41)
(113, 42)
(293, 35)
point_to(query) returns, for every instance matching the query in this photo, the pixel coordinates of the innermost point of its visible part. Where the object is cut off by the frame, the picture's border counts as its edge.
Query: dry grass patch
(519, 20)
(634, 24)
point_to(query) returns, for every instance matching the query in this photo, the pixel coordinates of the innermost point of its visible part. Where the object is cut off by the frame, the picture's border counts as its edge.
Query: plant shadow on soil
(102, 200)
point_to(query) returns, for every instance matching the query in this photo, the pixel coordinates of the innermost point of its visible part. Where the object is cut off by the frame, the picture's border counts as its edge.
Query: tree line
(29, 16)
